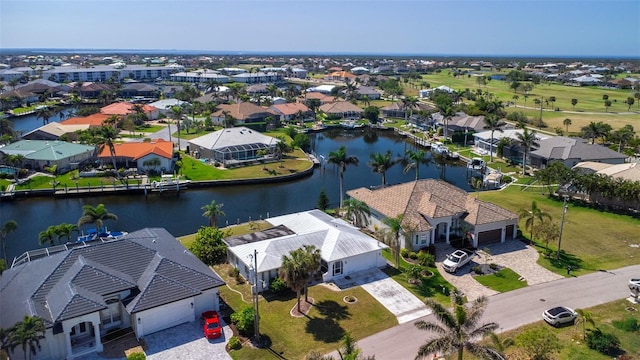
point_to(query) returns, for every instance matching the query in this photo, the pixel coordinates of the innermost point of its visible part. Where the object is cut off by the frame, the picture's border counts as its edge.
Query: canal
(182, 214)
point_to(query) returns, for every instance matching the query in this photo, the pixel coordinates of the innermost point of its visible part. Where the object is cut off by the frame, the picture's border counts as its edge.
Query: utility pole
(256, 316)
(565, 207)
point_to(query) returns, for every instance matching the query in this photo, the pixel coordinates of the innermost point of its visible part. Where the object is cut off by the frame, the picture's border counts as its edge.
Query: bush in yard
(629, 324)
(413, 255)
(426, 259)
(477, 269)
(243, 320)
(137, 356)
(208, 245)
(414, 271)
(404, 253)
(493, 266)
(538, 343)
(278, 285)
(234, 343)
(602, 342)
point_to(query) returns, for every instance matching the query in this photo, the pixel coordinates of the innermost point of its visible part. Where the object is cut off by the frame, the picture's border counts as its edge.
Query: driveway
(398, 300)
(513, 254)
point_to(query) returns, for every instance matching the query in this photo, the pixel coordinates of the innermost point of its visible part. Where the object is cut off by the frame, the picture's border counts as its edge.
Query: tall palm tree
(566, 122)
(106, 137)
(381, 162)
(27, 334)
(527, 139)
(417, 157)
(492, 122)
(95, 215)
(395, 227)
(357, 211)
(176, 114)
(341, 159)
(212, 211)
(65, 230)
(8, 227)
(294, 271)
(47, 237)
(530, 216)
(408, 103)
(447, 112)
(457, 329)
(313, 264)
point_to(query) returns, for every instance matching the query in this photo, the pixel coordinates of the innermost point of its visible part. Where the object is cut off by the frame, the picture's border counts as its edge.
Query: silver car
(559, 315)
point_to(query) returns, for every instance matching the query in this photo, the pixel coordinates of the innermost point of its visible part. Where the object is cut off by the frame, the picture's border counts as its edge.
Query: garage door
(166, 316)
(488, 237)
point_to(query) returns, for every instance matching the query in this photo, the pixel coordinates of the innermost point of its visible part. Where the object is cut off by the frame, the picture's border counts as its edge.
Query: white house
(145, 280)
(344, 249)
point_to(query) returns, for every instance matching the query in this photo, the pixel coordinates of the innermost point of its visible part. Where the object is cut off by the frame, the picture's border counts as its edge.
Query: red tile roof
(124, 108)
(94, 120)
(136, 150)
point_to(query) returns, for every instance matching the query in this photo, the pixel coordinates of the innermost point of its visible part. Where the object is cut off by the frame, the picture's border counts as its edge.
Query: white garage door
(166, 316)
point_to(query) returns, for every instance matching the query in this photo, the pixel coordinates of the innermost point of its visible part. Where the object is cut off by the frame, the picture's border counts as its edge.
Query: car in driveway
(456, 260)
(559, 315)
(211, 324)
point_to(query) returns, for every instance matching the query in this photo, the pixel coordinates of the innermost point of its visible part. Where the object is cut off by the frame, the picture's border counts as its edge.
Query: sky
(568, 28)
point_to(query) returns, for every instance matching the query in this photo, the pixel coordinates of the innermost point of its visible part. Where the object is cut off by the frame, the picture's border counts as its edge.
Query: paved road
(512, 309)
(165, 135)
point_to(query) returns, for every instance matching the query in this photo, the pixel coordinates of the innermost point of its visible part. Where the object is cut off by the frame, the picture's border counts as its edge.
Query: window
(417, 237)
(337, 268)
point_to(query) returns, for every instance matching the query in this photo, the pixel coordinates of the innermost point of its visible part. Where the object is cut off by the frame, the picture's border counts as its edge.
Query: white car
(456, 260)
(559, 315)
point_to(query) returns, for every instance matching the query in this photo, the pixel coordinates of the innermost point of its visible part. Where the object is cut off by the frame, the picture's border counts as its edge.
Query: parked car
(211, 324)
(456, 260)
(559, 315)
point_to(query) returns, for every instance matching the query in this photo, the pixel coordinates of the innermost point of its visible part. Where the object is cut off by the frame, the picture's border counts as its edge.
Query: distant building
(39, 154)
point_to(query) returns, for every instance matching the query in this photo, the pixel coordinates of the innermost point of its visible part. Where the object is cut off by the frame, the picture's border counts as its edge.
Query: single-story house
(142, 154)
(425, 93)
(434, 210)
(370, 92)
(323, 89)
(342, 110)
(233, 146)
(289, 111)
(54, 130)
(145, 280)
(139, 89)
(324, 99)
(89, 89)
(460, 122)
(244, 112)
(126, 108)
(94, 120)
(397, 110)
(343, 248)
(257, 89)
(164, 106)
(340, 76)
(482, 140)
(39, 154)
(627, 171)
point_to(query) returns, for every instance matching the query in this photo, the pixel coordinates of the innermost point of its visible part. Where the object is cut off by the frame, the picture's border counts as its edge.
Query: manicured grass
(592, 239)
(45, 182)
(320, 330)
(233, 230)
(502, 281)
(149, 128)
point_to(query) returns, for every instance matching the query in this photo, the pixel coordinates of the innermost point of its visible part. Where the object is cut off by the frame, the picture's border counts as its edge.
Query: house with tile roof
(397, 110)
(145, 280)
(324, 99)
(243, 112)
(125, 108)
(234, 146)
(342, 110)
(434, 210)
(141, 155)
(94, 120)
(289, 111)
(39, 154)
(343, 248)
(55, 130)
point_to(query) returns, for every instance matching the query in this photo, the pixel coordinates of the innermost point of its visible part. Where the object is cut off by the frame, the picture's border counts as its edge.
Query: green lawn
(45, 182)
(321, 330)
(502, 281)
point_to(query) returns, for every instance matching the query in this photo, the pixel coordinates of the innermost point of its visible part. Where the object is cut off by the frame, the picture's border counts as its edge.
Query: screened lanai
(234, 146)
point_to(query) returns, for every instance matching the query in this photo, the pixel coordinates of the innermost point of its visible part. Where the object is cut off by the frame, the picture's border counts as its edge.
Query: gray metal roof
(150, 262)
(562, 148)
(234, 139)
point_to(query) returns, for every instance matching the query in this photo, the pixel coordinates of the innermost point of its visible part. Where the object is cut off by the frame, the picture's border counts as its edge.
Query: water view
(182, 214)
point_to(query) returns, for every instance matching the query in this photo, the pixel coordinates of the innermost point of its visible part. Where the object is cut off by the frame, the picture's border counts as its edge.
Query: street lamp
(565, 207)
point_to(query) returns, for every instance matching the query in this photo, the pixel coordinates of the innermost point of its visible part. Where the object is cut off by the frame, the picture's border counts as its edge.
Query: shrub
(629, 324)
(404, 252)
(234, 343)
(413, 255)
(136, 356)
(493, 266)
(426, 259)
(506, 179)
(477, 269)
(604, 343)
(278, 285)
(414, 271)
(208, 245)
(243, 320)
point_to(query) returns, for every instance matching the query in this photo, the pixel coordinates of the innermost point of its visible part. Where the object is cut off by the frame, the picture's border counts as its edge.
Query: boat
(439, 148)
(168, 183)
(103, 234)
(454, 155)
(476, 164)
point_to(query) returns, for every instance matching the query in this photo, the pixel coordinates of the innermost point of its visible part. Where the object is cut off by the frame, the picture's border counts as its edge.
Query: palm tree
(586, 317)
(176, 115)
(527, 140)
(457, 329)
(8, 227)
(530, 216)
(27, 334)
(448, 112)
(294, 271)
(381, 162)
(492, 122)
(408, 103)
(566, 122)
(106, 137)
(65, 230)
(313, 264)
(341, 159)
(417, 158)
(95, 215)
(395, 227)
(212, 211)
(357, 211)
(48, 236)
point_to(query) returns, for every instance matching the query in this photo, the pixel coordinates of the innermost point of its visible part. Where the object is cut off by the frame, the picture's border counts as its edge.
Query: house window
(337, 268)
(111, 315)
(424, 239)
(417, 238)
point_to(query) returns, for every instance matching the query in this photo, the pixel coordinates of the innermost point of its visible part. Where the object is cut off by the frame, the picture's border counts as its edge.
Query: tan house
(435, 210)
(244, 112)
(343, 110)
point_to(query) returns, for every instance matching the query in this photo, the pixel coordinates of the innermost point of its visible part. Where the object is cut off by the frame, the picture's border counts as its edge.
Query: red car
(211, 324)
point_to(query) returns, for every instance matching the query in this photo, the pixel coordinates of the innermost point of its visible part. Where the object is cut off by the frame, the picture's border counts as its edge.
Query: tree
(492, 123)
(294, 271)
(623, 136)
(584, 317)
(209, 246)
(357, 211)
(176, 114)
(574, 102)
(596, 130)
(445, 107)
(65, 230)
(530, 215)
(457, 329)
(213, 211)
(313, 258)
(538, 343)
(395, 227)
(381, 162)
(27, 334)
(408, 104)
(8, 227)
(95, 215)
(607, 104)
(372, 113)
(417, 158)
(527, 139)
(566, 122)
(48, 236)
(630, 102)
(45, 113)
(106, 137)
(341, 159)
(323, 200)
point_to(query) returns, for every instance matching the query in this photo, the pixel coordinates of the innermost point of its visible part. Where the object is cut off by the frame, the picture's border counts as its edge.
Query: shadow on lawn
(564, 261)
(328, 329)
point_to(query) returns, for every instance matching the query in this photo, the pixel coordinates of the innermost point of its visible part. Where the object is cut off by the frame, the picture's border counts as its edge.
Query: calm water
(182, 214)
(24, 124)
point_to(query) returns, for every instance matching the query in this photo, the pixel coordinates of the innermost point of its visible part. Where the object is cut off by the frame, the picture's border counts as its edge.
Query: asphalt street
(512, 309)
